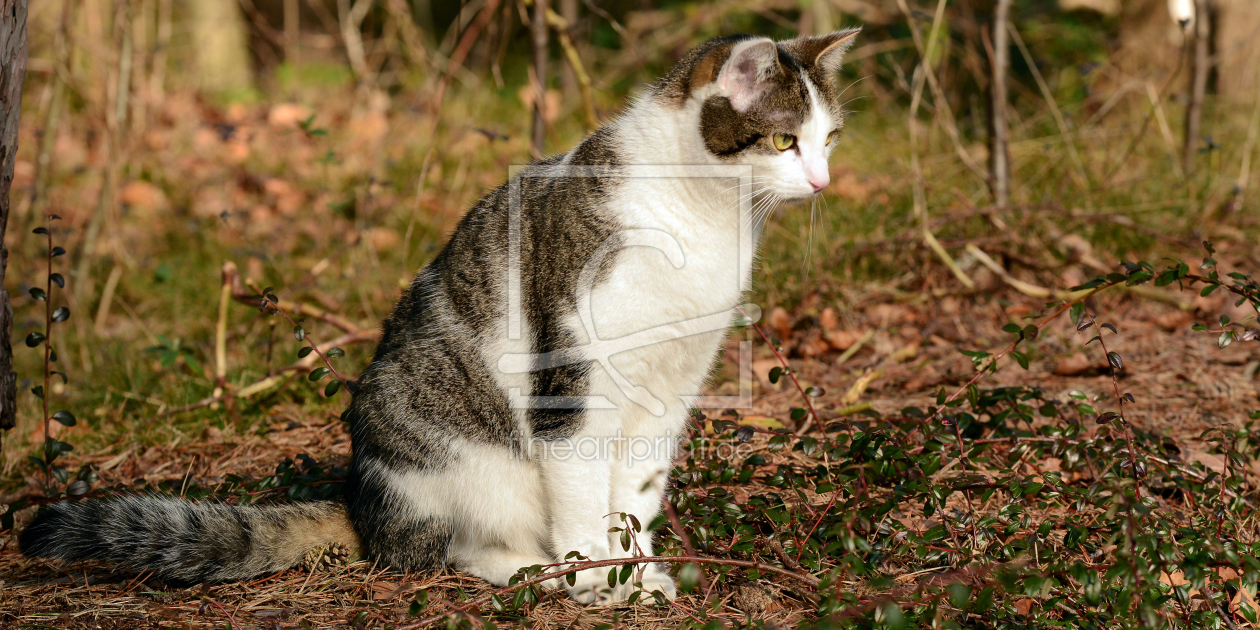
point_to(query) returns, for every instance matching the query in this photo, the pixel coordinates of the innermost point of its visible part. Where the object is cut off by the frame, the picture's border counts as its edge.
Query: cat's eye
(783, 141)
(833, 136)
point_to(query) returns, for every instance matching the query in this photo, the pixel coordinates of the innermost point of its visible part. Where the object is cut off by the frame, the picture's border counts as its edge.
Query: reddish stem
(787, 369)
(306, 336)
(48, 358)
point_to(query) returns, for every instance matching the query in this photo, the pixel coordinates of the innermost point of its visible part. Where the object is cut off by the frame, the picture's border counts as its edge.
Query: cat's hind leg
(395, 529)
(501, 522)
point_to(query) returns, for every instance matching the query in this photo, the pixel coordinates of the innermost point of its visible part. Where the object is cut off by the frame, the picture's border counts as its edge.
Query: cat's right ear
(745, 75)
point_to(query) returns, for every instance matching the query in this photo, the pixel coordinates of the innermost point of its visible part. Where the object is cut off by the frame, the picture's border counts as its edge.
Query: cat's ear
(823, 51)
(745, 75)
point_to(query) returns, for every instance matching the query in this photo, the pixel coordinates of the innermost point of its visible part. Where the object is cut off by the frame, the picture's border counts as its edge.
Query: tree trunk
(1200, 70)
(12, 73)
(221, 44)
(1238, 47)
(569, 11)
(538, 33)
(999, 158)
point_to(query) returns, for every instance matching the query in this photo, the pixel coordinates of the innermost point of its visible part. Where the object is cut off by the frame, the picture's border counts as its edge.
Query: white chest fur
(659, 313)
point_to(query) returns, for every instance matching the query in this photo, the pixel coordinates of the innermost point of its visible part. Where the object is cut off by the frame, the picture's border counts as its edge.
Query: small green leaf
(959, 593)
(689, 577)
(893, 617)
(58, 251)
(419, 603)
(1077, 311)
(193, 365)
(34, 339)
(61, 314)
(775, 373)
(336, 352)
(318, 373)
(38, 293)
(305, 351)
(58, 280)
(64, 417)
(40, 230)
(1225, 339)
(332, 388)
(299, 332)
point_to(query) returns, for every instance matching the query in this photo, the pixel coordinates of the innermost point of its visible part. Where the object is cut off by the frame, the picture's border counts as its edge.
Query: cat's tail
(186, 542)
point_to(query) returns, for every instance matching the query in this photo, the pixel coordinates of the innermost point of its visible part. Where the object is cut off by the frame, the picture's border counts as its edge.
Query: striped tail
(185, 542)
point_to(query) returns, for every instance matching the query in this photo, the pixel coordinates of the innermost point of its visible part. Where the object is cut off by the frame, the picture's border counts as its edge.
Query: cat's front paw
(655, 579)
(591, 587)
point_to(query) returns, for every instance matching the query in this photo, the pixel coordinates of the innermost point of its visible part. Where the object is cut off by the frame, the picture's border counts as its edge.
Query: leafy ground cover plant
(1002, 506)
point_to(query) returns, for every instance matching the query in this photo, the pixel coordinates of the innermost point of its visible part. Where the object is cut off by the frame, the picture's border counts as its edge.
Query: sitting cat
(534, 380)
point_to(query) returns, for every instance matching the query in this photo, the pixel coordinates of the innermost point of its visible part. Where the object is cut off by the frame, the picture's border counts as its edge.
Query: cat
(581, 305)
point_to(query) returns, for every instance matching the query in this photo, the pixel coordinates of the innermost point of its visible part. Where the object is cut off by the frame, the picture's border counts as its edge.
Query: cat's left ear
(743, 78)
(823, 51)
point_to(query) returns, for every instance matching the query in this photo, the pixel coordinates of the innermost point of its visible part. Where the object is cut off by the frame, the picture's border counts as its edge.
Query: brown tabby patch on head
(781, 107)
(820, 57)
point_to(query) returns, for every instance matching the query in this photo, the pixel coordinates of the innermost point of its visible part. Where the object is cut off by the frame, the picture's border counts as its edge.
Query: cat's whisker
(855, 98)
(855, 82)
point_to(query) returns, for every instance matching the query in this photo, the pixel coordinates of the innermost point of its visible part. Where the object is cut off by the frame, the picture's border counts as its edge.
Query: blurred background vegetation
(326, 147)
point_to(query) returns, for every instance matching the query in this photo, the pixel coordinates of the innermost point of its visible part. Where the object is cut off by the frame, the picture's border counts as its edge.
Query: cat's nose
(817, 175)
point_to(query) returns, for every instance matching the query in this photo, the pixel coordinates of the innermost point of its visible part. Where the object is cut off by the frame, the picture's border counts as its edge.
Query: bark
(538, 32)
(221, 44)
(1200, 71)
(1238, 47)
(569, 11)
(12, 74)
(999, 158)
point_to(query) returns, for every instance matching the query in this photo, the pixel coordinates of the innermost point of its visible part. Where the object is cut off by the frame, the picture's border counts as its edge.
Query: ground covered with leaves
(877, 519)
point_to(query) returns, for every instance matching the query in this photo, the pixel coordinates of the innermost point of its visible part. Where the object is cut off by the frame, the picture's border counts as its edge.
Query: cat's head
(771, 105)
